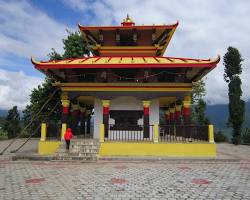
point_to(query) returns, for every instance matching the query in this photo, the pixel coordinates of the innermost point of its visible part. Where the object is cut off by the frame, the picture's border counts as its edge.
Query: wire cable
(31, 121)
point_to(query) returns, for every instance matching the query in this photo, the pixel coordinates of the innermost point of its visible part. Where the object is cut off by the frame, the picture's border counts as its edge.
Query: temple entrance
(82, 126)
(128, 125)
(126, 119)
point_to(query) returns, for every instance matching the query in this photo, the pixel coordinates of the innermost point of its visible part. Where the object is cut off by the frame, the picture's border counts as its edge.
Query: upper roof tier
(128, 39)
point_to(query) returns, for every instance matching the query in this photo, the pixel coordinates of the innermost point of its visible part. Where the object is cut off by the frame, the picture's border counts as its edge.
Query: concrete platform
(225, 153)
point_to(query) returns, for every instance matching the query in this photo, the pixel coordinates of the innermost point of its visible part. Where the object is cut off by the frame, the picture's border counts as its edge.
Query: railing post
(156, 133)
(211, 133)
(102, 128)
(174, 131)
(63, 130)
(43, 131)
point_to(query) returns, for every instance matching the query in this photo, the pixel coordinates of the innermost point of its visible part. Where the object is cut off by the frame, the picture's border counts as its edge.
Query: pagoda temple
(129, 95)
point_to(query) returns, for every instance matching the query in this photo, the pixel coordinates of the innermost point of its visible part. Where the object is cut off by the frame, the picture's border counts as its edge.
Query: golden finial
(128, 21)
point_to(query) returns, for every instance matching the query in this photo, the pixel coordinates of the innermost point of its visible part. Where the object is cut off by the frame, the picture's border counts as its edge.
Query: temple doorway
(126, 119)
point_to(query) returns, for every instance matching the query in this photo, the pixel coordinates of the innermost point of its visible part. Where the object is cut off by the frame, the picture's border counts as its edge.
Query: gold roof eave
(128, 60)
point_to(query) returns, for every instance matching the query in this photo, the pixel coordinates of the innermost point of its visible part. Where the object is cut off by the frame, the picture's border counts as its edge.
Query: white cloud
(77, 4)
(26, 31)
(206, 29)
(15, 88)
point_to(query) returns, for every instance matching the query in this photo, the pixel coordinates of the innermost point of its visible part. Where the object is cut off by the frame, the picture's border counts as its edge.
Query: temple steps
(80, 150)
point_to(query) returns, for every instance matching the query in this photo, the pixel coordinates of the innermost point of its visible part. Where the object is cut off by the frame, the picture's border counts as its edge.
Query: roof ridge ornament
(128, 21)
(33, 61)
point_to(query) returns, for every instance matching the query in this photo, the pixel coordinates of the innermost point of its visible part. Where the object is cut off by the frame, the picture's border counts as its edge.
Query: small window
(126, 40)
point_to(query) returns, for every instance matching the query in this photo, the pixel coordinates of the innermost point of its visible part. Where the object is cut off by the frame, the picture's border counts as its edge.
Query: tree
(233, 68)
(75, 47)
(200, 112)
(198, 91)
(53, 55)
(12, 123)
(199, 105)
(38, 97)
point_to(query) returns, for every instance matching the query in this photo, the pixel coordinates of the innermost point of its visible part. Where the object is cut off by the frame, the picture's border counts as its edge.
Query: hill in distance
(218, 115)
(3, 113)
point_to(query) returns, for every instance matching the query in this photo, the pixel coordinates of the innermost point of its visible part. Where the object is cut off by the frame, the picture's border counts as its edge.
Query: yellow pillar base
(64, 128)
(211, 133)
(43, 131)
(156, 133)
(101, 132)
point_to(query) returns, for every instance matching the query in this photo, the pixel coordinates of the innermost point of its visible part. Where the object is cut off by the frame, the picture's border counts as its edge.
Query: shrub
(246, 136)
(3, 134)
(220, 137)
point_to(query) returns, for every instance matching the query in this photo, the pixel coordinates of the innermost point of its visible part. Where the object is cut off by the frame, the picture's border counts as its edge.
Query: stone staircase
(80, 150)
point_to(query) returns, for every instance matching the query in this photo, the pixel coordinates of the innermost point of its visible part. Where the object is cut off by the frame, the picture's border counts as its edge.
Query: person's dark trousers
(67, 144)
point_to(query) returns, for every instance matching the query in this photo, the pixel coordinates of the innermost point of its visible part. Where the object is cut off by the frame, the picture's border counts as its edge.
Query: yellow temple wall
(48, 147)
(158, 149)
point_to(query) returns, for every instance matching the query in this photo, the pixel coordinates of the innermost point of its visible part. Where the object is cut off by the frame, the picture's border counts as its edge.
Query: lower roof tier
(126, 62)
(193, 69)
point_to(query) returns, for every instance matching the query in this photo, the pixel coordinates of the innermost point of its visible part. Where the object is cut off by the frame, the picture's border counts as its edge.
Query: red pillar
(65, 113)
(146, 130)
(187, 110)
(178, 114)
(172, 115)
(75, 117)
(65, 110)
(82, 120)
(88, 119)
(167, 116)
(105, 110)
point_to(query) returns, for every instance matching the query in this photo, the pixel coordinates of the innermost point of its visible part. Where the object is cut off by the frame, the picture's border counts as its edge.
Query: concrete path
(30, 147)
(230, 151)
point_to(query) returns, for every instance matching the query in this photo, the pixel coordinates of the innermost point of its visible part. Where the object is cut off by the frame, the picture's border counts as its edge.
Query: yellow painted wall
(48, 147)
(158, 149)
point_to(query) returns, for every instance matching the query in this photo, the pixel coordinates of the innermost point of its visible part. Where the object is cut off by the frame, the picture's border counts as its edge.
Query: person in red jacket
(67, 137)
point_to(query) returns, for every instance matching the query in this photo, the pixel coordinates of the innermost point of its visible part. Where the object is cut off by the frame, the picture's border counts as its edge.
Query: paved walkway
(123, 180)
(226, 178)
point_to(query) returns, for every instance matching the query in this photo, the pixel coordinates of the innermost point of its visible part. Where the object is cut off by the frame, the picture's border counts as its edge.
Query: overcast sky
(206, 29)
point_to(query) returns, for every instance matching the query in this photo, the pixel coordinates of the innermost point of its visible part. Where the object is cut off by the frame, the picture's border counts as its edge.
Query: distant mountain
(218, 115)
(3, 113)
